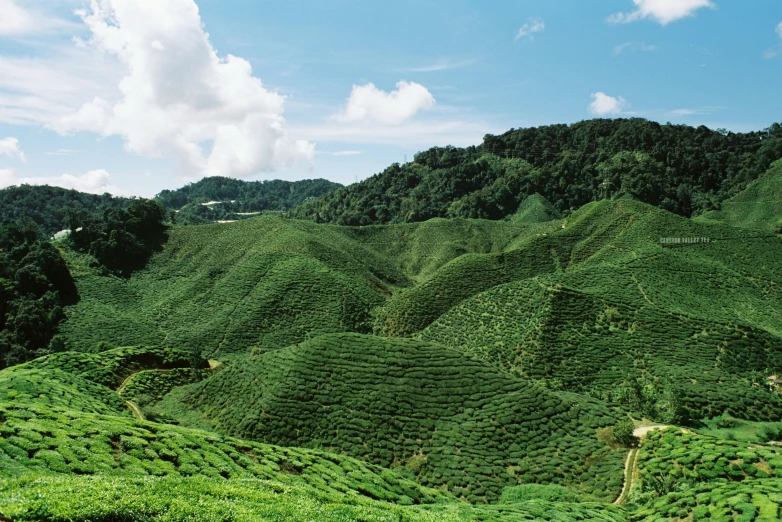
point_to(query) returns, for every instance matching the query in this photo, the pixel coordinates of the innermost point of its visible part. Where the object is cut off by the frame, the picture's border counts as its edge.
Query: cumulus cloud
(93, 182)
(779, 30)
(368, 104)
(10, 147)
(662, 11)
(530, 27)
(177, 95)
(605, 105)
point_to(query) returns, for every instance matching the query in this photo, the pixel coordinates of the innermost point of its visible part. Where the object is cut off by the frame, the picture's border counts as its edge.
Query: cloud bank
(93, 182)
(177, 96)
(368, 104)
(661, 11)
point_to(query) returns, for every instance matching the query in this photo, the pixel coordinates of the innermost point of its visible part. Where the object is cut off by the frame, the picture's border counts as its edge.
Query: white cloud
(10, 147)
(634, 47)
(605, 105)
(662, 11)
(93, 182)
(40, 90)
(347, 153)
(177, 95)
(368, 104)
(17, 20)
(779, 30)
(530, 27)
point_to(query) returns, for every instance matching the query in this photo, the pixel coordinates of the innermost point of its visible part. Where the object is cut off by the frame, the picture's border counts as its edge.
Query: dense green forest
(120, 239)
(679, 168)
(231, 199)
(48, 207)
(52, 208)
(35, 284)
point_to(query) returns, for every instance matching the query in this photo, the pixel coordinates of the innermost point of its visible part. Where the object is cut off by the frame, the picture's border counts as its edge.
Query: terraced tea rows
(449, 420)
(759, 206)
(46, 438)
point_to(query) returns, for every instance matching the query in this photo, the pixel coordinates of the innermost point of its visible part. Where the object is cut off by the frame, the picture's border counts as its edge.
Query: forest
(682, 169)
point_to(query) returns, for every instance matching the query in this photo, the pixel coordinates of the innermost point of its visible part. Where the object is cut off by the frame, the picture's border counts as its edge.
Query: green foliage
(451, 421)
(751, 500)
(112, 368)
(220, 289)
(676, 167)
(48, 207)
(233, 199)
(52, 498)
(687, 458)
(675, 334)
(547, 492)
(34, 285)
(622, 433)
(759, 206)
(45, 438)
(685, 476)
(121, 239)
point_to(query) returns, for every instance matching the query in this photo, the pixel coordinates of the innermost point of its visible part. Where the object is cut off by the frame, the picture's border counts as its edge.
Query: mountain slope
(759, 206)
(683, 169)
(451, 421)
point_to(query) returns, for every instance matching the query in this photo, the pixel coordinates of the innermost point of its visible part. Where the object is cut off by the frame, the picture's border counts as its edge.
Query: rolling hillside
(759, 206)
(449, 421)
(447, 369)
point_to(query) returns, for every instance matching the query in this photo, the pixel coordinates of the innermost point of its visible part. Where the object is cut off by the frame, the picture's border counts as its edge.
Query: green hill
(588, 304)
(452, 422)
(682, 169)
(226, 199)
(444, 369)
(759, 206)
(47, 206)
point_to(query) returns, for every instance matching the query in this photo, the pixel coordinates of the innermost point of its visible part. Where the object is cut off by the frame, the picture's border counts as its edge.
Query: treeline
(238, 197)
(34, 285)
(48, 206)
(121, 239)
(683, 169)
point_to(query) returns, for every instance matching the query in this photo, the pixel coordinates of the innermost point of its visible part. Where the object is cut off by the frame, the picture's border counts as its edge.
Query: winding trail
(631, 471)
(134, 409)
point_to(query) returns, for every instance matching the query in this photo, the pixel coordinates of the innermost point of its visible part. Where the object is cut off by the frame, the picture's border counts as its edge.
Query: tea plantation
(446, 420)
(449, 369)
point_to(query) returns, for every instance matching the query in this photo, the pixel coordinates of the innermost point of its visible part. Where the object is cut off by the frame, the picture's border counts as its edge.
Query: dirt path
(630, 472)
(136, 412)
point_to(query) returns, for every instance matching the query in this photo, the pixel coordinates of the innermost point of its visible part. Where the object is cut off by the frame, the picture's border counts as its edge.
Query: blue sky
(134, 96)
